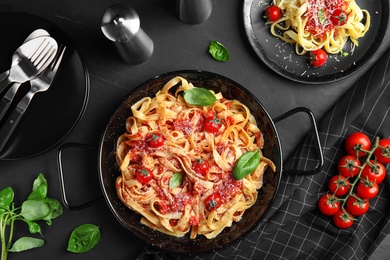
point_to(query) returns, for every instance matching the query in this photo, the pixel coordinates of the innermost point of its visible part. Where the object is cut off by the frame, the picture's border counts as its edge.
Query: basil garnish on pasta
(199, 97)
(246, 164)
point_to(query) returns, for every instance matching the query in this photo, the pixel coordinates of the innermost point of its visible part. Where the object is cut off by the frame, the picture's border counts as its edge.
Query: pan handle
(314, 130)
(62, 179)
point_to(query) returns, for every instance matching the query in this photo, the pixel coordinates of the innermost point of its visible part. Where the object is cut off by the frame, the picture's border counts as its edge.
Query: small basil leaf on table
(199, 97)
(246, 164)
(218, 51)
(83, 238)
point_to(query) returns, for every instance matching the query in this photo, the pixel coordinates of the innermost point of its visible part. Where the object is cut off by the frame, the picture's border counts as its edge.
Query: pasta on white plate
(176, 161)
(320, 24)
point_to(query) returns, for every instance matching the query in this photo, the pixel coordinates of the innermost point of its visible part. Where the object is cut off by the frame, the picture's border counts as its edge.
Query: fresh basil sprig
(246, 164)
(37, 207)
(175, 180)
(218, 51)
(83, 238)
(199, 97)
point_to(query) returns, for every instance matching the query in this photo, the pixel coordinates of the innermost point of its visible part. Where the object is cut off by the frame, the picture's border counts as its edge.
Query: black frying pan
(109, 170)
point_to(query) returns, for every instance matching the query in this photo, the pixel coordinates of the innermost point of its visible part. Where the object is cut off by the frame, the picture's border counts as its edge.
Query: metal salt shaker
(193, 11)
(121, 24)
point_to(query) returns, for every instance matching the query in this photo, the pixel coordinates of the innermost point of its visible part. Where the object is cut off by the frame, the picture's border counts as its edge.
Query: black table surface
(177, 46)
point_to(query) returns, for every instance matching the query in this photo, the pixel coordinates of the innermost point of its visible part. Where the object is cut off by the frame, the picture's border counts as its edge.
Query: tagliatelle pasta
(310, 24)
(161, 182)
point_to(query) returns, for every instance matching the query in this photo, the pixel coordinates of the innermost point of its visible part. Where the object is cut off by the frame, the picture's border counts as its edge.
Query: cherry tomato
(339, 185)
(212, 124)
(213, 201)
(382, 153)
(375, 172)
(328, 204)
(343, 219)
(318, 57)
(356, 142)
(144, 175)
(357, 207)
(201, 166)
(339, 17)
(348, 166)
(272, 13)
(155, 140)
(367, 189)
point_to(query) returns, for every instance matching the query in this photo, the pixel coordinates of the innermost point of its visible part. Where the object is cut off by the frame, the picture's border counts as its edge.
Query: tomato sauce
(229, 188)
(319, 14)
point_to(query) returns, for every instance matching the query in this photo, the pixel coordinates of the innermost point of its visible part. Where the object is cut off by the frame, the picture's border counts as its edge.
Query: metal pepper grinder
(193, 11)
(121, 24)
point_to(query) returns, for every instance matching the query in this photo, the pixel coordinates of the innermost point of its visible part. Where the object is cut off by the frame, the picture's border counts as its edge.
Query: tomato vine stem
(358, 178)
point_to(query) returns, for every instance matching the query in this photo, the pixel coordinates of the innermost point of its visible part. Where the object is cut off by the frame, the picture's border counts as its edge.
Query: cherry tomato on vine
(356, 206)
(343, 219)
(201, 166)
(382, 153)
(318, 57)
(328, 204)
(155, 140)
(339, 185)
(339, 17)
(375, 172)
(367, 189)
(357, 141)
(213, 201)
(144, 175)
(272, 13)
(348, 166)
(212, 124)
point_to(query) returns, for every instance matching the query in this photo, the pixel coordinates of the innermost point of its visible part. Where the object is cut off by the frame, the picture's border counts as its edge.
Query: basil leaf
(175, 180)
(39, 190)
(34, 227)
(246, 164)
(6, 197)
(83, 238)
(199, 97)
(33, 210)
(218, 51)
(26, 243)
(321, 16)
(55, 210)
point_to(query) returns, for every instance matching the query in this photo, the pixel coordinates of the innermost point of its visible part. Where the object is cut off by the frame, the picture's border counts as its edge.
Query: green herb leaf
(199, 97)
(39, 190)
(37, 207)
(175, 180)
(321, 16)
(6, 197)
(83, 238)
(33, 210)
(34, 227)
(246, 164)
(26, 243)
(343, 53)
(218, 51)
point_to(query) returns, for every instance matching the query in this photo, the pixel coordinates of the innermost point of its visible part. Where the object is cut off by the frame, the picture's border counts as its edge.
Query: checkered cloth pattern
(294, 228)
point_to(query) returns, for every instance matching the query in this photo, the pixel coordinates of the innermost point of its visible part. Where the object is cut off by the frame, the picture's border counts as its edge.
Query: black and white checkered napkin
(294, 228)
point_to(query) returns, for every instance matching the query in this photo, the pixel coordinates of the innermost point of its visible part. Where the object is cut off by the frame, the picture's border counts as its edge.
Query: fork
(30, 66)
(39, 84)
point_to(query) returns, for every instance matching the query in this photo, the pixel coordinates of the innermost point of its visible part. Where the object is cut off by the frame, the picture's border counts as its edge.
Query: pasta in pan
(176, 172)
(316, 24)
